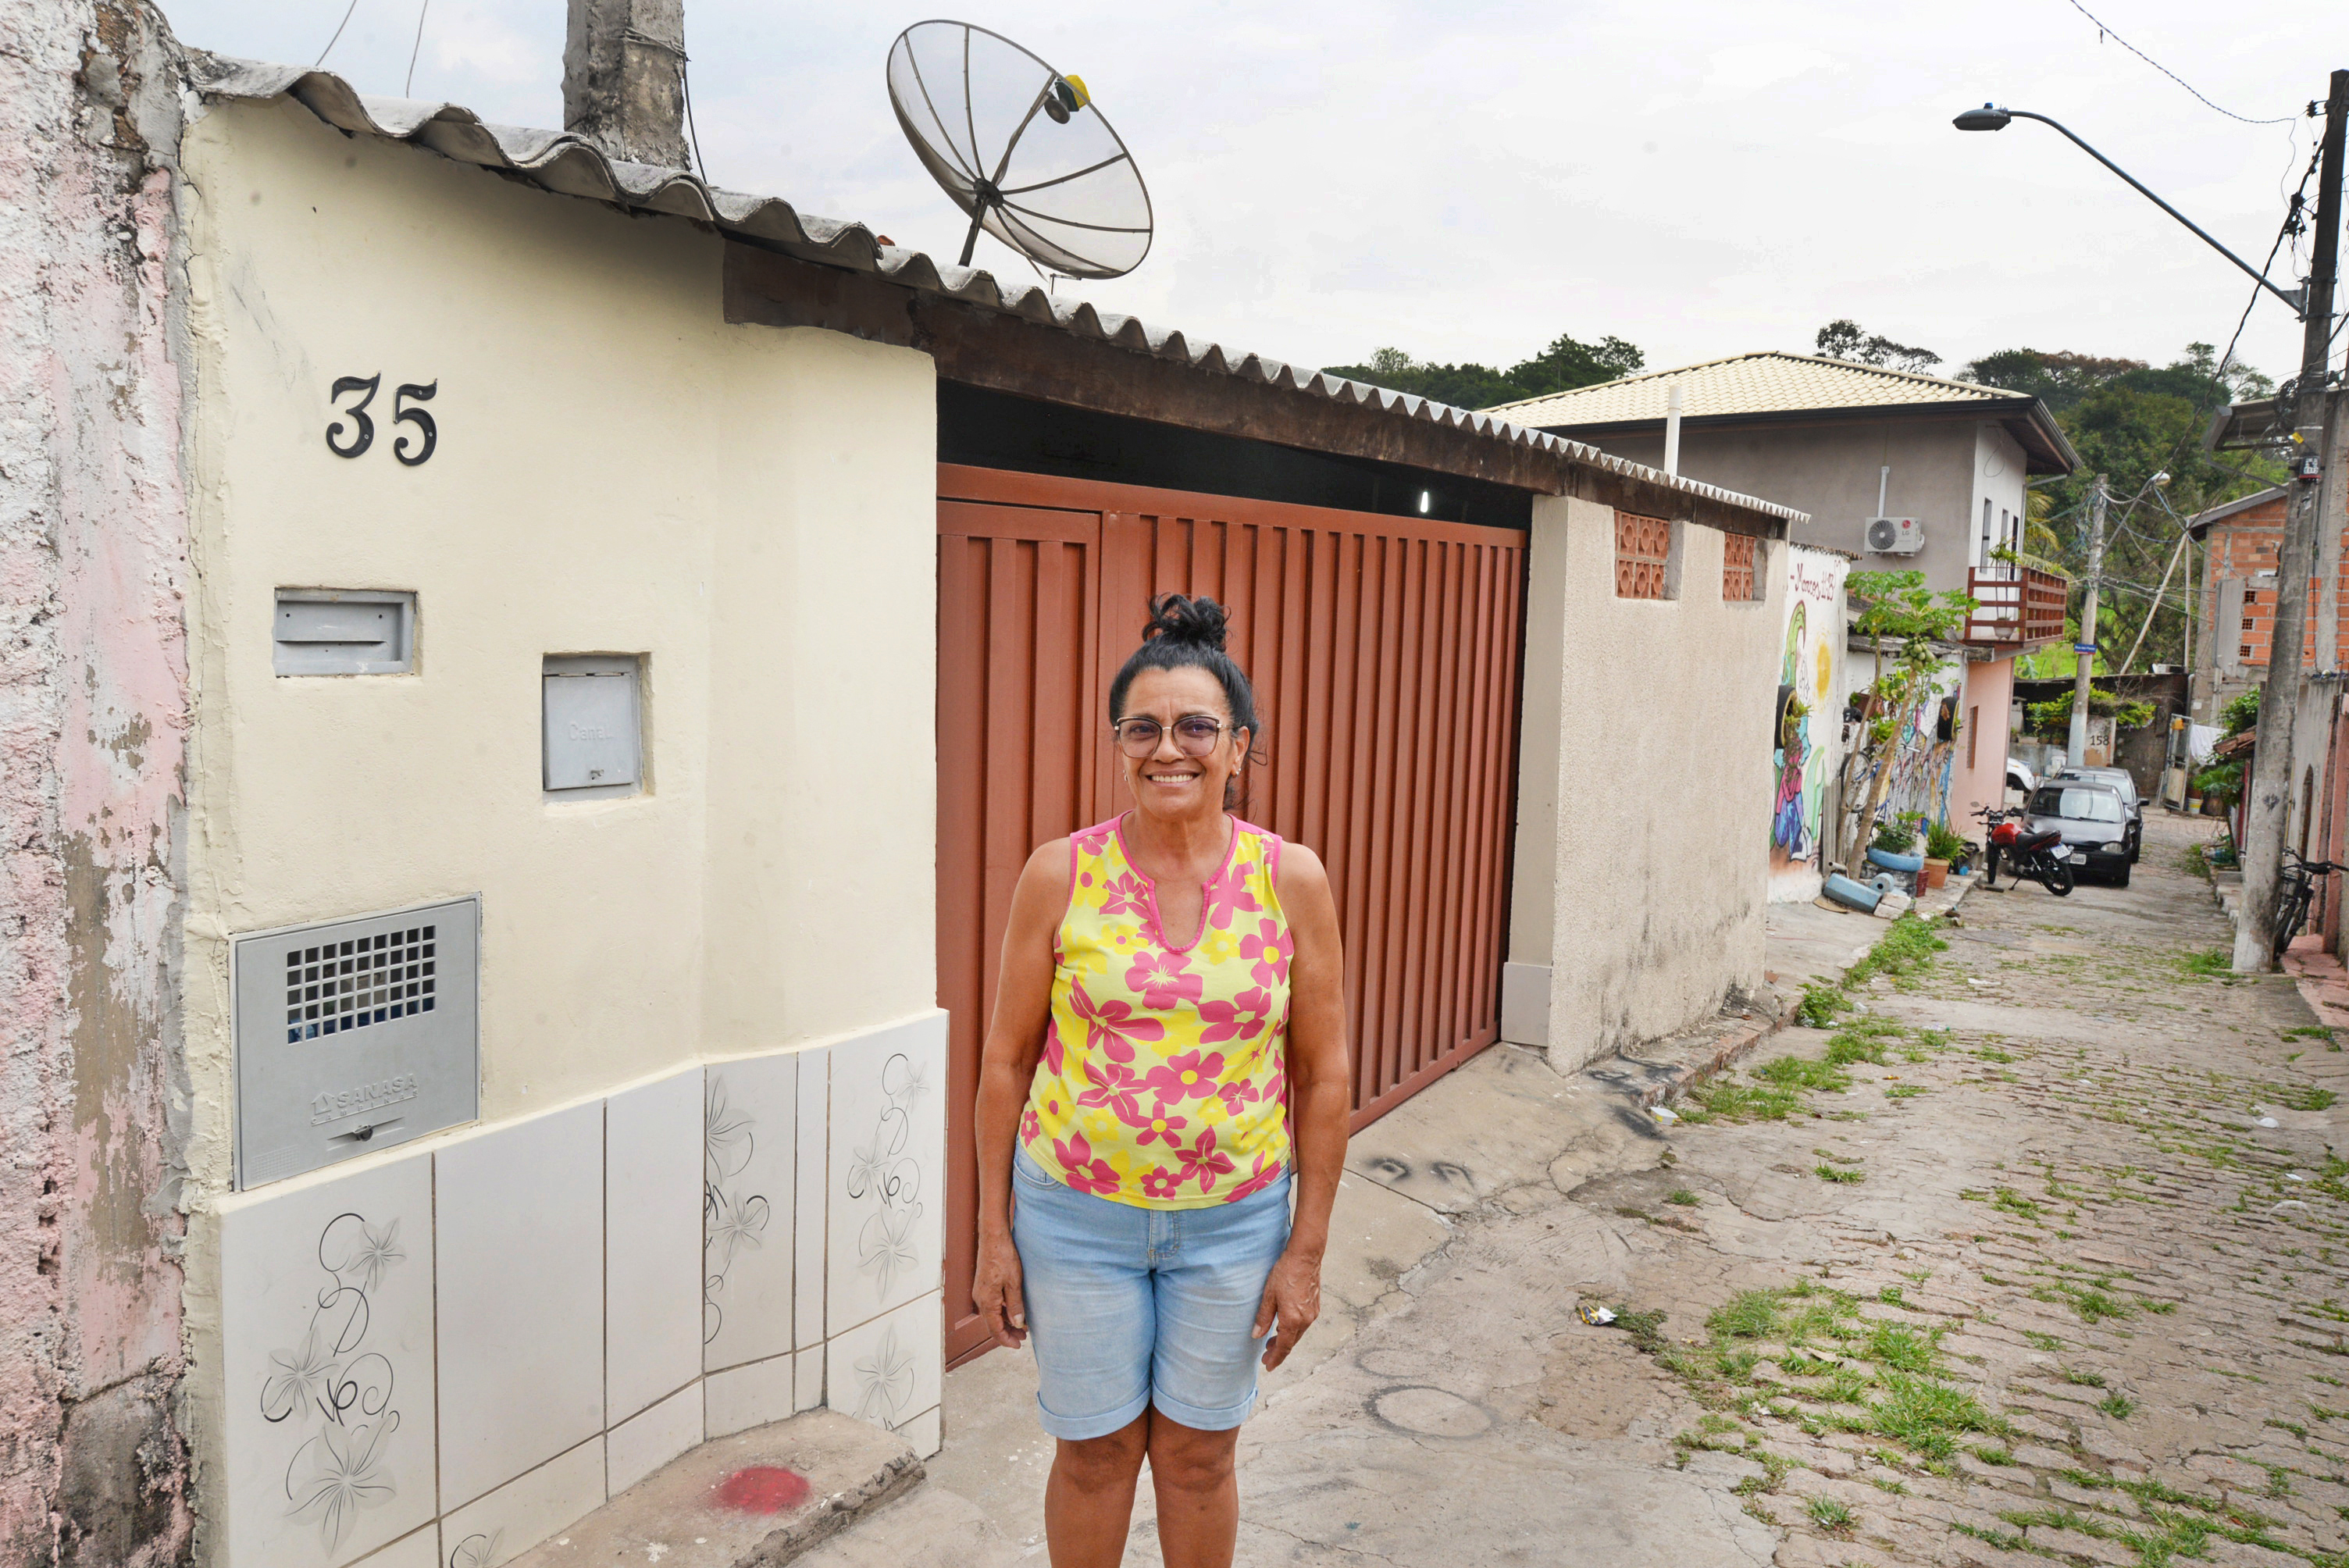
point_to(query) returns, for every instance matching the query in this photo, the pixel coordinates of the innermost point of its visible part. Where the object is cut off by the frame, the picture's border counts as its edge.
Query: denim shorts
(1130, 1308)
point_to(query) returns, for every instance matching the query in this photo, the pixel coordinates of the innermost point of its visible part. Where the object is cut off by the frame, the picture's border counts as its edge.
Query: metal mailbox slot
(354, 1034)
(345, 631)
(594, 729)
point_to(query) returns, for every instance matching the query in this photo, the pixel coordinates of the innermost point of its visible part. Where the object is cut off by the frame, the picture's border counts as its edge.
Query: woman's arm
(1023, 1004)
(1320, 1094)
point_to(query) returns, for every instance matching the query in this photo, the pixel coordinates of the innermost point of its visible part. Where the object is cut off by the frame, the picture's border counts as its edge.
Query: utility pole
(2263, 831)
(2083, 646)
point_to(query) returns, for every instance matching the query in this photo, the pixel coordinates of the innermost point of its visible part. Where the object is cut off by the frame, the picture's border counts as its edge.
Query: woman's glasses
(1196, 735)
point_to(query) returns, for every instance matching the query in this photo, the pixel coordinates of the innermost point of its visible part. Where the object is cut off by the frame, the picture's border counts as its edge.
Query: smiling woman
(1167, 1060)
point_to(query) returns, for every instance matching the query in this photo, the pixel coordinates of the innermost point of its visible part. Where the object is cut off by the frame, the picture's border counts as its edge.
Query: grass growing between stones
(2210, 964)
(1774, 1091)
(1855, 1375)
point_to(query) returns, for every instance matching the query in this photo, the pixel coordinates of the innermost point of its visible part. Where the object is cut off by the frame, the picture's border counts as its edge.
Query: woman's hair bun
(1197, 622)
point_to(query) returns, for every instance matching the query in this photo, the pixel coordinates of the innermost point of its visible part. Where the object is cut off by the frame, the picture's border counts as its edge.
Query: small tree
(1907, 627)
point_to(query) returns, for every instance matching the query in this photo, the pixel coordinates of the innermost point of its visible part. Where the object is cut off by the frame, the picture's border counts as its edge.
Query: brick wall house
(2234, 612)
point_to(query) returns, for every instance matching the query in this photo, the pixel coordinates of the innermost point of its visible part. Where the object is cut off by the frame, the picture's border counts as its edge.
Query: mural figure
(1791, 834)
(1805, 752)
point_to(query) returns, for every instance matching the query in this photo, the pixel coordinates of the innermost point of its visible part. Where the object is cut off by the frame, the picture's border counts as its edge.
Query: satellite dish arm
(989, 194)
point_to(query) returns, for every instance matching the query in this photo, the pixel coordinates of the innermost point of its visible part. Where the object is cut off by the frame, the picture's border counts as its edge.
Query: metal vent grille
(355, 1035)
(350, 984)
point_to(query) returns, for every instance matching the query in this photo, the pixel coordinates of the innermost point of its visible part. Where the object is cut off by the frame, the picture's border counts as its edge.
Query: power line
(409, 85)
(2104, 31)
(337, 37)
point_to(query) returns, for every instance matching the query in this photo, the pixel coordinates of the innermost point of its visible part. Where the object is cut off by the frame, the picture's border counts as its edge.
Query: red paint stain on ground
(763, 1489)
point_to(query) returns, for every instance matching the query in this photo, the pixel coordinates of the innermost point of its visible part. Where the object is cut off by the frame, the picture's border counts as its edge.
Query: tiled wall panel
(541, 1302)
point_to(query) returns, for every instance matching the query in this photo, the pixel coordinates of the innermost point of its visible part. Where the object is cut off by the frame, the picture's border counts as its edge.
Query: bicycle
(2299, 878)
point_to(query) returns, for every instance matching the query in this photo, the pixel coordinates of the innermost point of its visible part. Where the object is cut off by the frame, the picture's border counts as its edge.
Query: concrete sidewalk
(1428, 1383)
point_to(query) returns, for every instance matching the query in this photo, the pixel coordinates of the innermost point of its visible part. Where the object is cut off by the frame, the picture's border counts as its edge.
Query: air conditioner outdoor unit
(1894, 535)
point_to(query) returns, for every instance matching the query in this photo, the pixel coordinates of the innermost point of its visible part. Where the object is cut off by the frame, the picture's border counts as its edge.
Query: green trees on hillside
(1565, 363)
(2130, 420)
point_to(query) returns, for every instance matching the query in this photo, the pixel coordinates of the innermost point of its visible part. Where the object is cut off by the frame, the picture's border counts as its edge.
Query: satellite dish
(1022, 148)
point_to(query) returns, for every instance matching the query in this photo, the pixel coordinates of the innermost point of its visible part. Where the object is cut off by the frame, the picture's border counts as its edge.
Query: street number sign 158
(352, 423)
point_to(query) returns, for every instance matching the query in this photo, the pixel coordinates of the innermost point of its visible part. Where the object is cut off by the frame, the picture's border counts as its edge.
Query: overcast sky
(1468, 181)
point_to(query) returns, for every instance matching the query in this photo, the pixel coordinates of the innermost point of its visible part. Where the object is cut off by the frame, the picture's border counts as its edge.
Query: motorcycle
(2039, 856)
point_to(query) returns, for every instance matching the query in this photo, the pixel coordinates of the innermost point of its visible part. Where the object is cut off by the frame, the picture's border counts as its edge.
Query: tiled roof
(571, 166)
(1765, 381)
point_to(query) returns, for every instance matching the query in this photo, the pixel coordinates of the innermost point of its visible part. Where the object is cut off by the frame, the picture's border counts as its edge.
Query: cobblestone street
(2058, 1274)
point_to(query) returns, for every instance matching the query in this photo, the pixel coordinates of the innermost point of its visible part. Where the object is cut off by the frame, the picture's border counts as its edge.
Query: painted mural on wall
(1807, 744)
(1922, 758)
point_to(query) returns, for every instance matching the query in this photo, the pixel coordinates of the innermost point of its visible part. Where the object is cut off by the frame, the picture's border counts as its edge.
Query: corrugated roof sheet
(570, 166)
(2225, 510)
(1767, 382)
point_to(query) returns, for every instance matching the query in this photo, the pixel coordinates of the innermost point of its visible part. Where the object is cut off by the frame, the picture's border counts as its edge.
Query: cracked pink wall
(93, 724)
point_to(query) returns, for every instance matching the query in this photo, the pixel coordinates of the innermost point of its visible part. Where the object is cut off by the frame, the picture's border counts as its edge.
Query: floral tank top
(1164, 1081)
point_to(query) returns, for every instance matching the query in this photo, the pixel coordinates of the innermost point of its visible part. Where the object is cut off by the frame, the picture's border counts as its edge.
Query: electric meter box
(592, 708)
(355, 1035)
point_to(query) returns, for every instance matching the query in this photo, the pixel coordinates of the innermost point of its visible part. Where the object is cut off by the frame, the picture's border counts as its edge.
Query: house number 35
(356, 430)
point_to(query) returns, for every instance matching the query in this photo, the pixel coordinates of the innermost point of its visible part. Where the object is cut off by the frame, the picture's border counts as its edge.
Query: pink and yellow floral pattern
(1164, 1081)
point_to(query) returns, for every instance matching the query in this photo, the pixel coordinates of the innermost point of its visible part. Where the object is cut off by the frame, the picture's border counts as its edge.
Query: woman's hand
(995, 1286)
(1292, 1298)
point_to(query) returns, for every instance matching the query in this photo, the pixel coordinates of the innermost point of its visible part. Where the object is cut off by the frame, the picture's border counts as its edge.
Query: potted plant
(1898, 837)
(1944, 849)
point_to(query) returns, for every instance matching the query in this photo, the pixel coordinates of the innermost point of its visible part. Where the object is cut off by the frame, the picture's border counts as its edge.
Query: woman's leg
(1203, 1370)
(1198, 1496)
(1088, 1501)
(1092, 1322)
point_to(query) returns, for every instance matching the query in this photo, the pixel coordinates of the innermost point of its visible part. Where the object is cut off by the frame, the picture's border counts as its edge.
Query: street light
(1991, 117)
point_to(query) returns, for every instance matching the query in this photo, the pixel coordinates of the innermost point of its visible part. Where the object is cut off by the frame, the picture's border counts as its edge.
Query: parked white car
(2121, 783)
(2018, 776)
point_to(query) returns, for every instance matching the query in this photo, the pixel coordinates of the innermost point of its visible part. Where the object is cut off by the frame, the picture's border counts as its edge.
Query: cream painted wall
(1639, 871)
(619, 472)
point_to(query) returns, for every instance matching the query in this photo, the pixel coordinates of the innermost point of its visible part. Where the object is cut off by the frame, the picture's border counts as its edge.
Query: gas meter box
(355, 1035)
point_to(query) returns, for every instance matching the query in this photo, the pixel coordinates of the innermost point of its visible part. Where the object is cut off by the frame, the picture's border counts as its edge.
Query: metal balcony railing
(2015, 606)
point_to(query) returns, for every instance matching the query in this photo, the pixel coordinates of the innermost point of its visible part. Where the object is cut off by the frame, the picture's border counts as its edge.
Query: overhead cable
(337, 37)
(2104, 31)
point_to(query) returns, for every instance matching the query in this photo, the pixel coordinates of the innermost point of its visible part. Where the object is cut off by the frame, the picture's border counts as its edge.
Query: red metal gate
(1384, 652)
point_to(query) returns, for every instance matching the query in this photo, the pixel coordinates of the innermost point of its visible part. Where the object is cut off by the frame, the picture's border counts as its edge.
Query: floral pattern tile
(328, 1363)
(889, 1371)
(887, 1161)
(750, 1139)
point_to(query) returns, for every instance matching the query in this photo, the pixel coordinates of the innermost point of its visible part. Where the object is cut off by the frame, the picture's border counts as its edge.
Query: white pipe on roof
(1672, 431)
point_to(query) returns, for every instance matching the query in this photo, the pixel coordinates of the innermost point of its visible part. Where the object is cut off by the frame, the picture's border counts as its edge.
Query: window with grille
(1737, 576)
(1643, 555)
(351, 985)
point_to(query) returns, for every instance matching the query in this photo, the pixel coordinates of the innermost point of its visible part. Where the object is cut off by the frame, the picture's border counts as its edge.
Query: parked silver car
(2123, 784)
(2094, 821)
